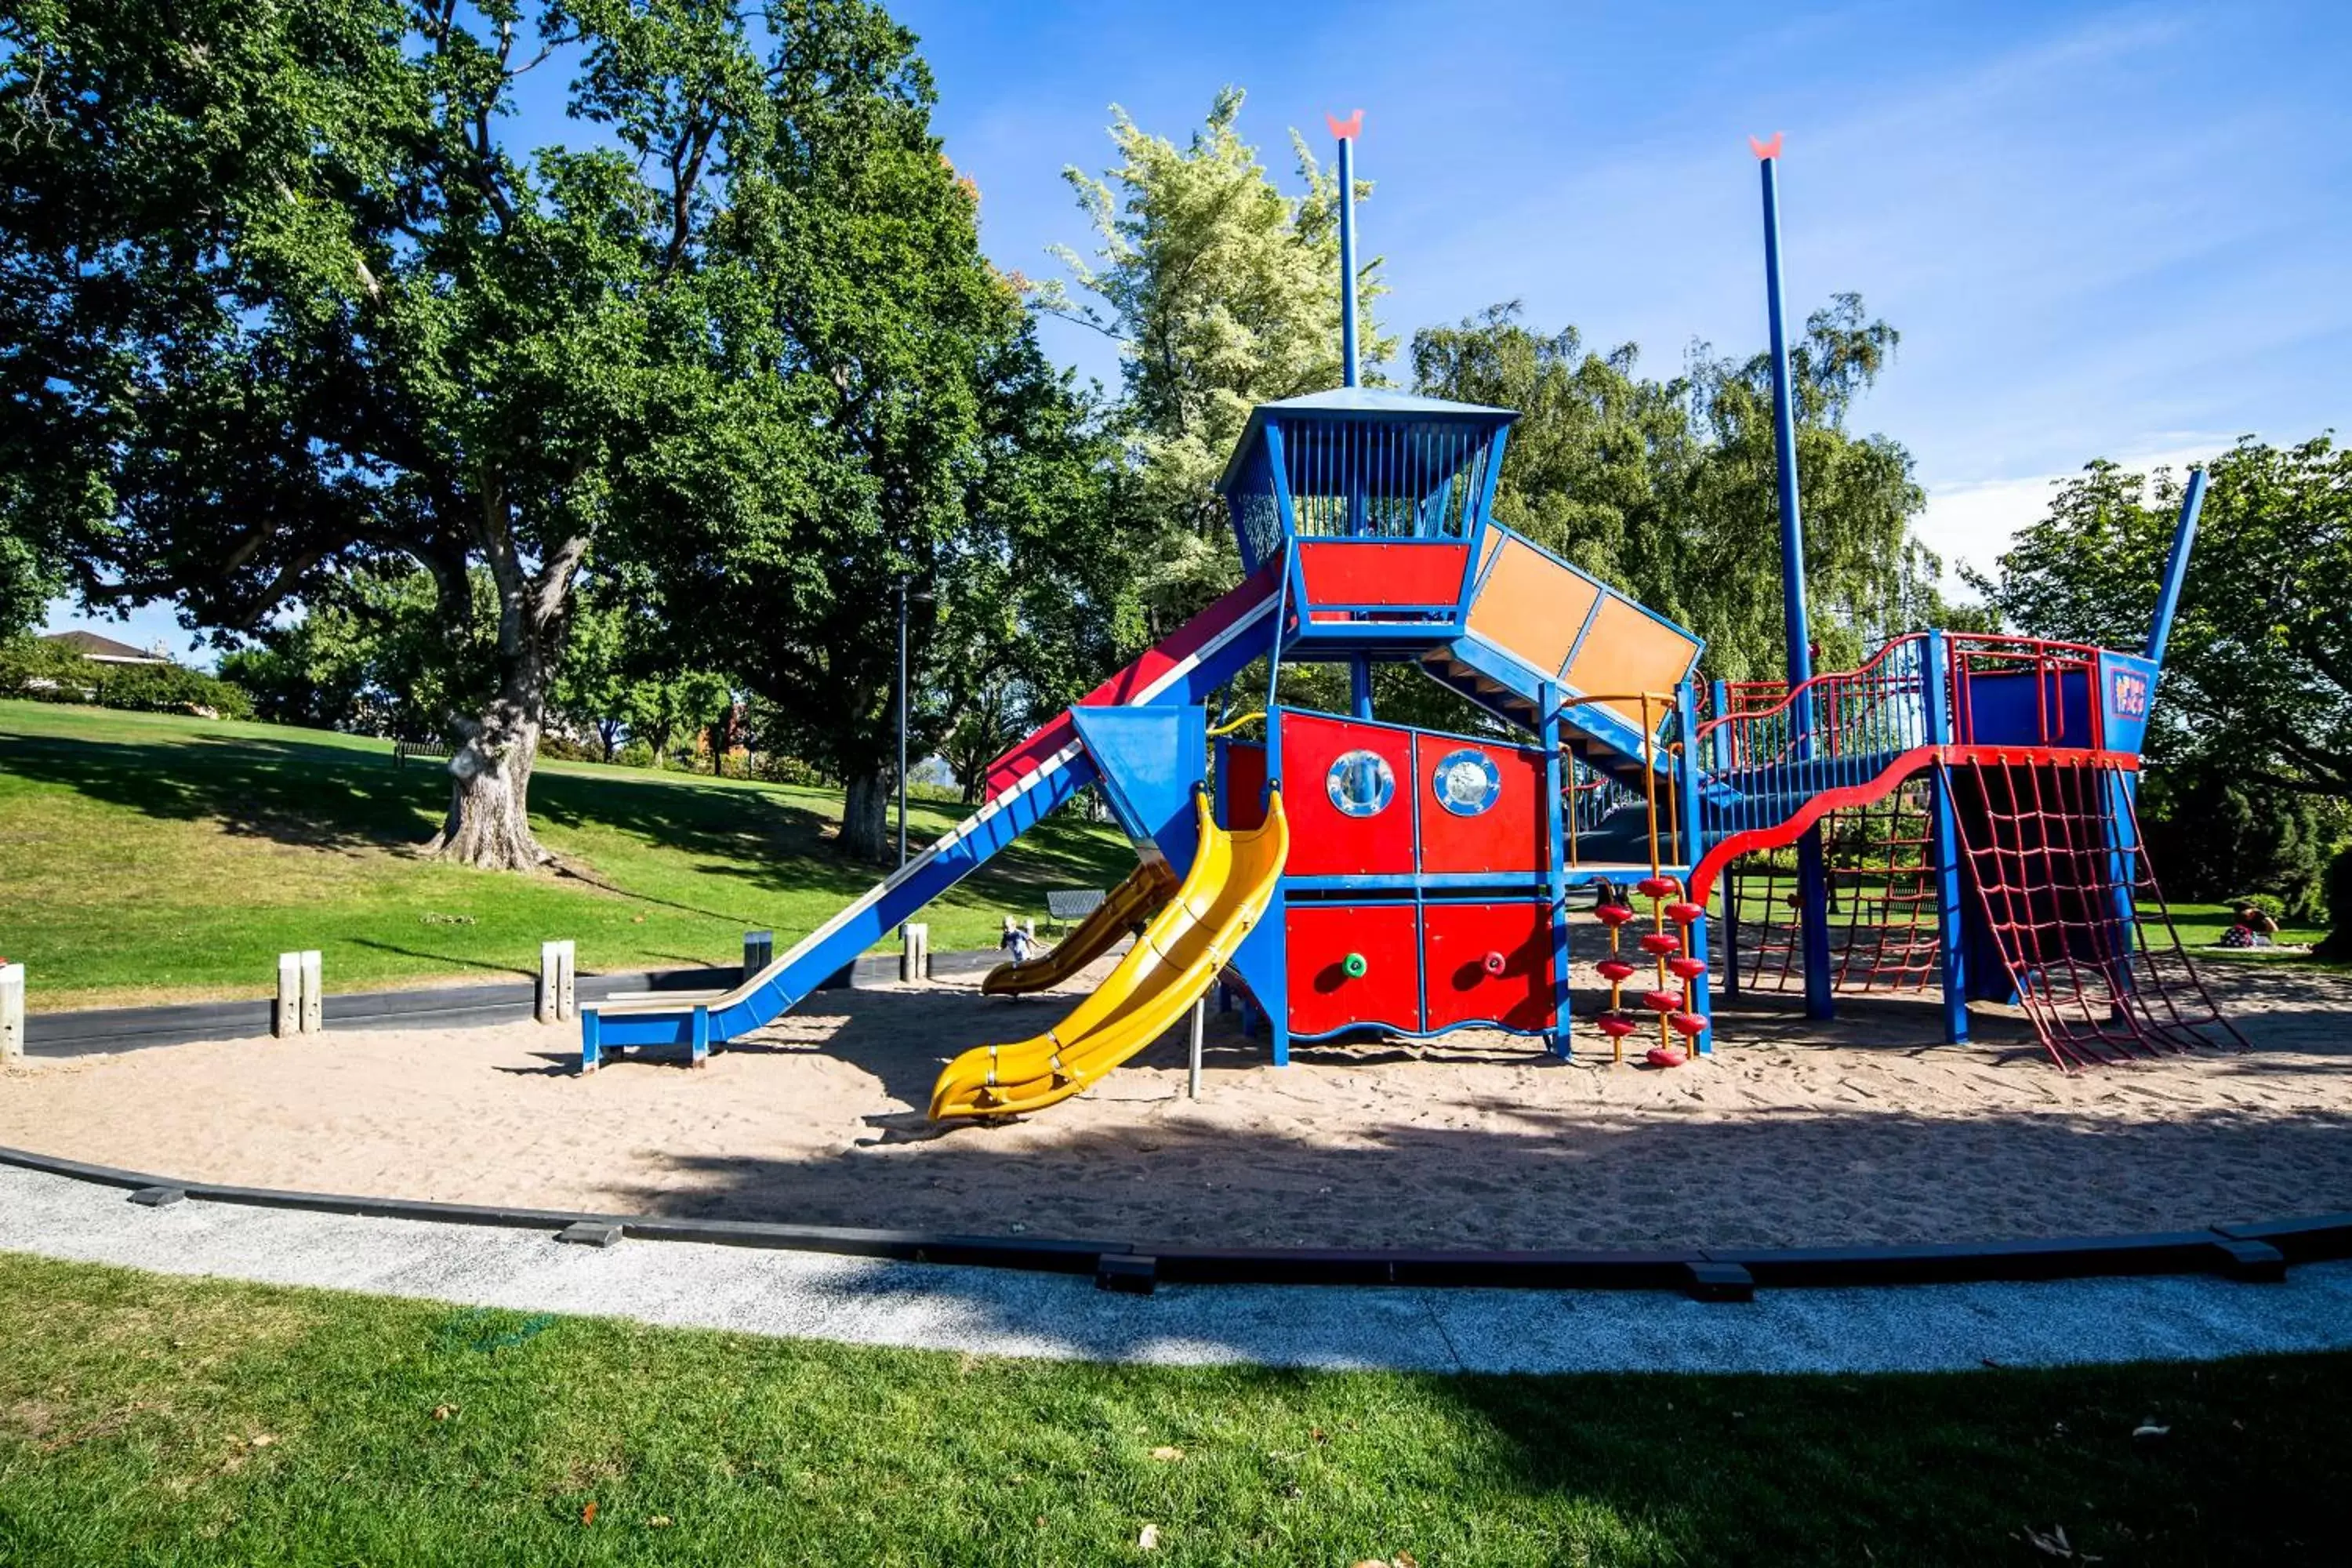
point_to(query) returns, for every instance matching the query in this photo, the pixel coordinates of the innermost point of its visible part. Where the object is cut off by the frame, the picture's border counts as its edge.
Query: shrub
(168, 688)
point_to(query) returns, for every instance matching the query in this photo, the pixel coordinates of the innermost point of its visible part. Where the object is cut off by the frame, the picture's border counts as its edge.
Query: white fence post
(12, 1012)
(286, 1018)
(557, 977)
(915, 957)
(758, 951)
(314, 999)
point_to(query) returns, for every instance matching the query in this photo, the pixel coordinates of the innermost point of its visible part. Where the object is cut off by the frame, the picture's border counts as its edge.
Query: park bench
(431, 751)
(1065, 907)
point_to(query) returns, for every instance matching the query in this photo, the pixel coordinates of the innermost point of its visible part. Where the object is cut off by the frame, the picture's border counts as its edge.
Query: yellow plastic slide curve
(1132, 902)
(1178, 957)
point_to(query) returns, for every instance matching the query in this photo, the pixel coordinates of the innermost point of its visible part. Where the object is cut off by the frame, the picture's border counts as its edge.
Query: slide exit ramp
(1024, 787)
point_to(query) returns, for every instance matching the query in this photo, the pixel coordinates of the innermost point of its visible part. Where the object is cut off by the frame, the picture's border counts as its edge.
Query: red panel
(1323, 996)
(1244, 802)
(1507, 836)
(1461, 991)
(1365, 572)
(1324, 841)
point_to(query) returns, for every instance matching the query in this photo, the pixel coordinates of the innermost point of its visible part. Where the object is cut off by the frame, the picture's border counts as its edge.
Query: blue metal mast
(2176, 568)
(1812, 881)
(1346, 130)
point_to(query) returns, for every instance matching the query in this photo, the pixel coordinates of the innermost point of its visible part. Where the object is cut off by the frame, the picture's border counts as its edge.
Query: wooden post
(1199, 1029)
(557, 977)
(758, 951)
(12, 1012)
(314, 999)
(286, 1018)
(915, 956)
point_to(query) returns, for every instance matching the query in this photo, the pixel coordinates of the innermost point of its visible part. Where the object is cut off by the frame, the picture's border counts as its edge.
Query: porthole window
(1466, 781)
(1361, 783)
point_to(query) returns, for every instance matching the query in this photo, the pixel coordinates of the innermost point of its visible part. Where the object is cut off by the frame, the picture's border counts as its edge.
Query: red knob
(1616, 1026)
(1659, 886)
(1615, 971)
(1664, 1057)
(1662, 1001)
(1612, 914)
(1661, 942)
(1687, 967)
(1690, 1025)
(1685, 913)
(1492, 963)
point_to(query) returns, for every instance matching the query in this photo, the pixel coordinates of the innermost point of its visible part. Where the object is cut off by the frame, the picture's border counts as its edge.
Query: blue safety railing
(1360, 478)
(1834, 732)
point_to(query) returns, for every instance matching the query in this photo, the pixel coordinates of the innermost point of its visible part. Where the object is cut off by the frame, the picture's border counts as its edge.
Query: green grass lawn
(152, 858)
(157, 1420)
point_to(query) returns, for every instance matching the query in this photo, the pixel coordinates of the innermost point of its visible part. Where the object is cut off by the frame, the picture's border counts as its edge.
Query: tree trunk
(866, 829)
(488, 824)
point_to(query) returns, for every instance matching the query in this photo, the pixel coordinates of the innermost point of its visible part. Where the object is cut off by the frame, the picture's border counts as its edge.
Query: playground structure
(1344, 874)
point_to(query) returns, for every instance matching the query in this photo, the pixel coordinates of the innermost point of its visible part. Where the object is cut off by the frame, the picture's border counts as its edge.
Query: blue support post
(1360, 685)
(1346, 132)
(591, 1045)
(699, 1043)
(1563, 1041)
(1812, 880)
(1944, 842)
(2176, 569)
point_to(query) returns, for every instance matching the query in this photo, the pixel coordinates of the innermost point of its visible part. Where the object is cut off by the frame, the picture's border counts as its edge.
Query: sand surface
(1863, 1129)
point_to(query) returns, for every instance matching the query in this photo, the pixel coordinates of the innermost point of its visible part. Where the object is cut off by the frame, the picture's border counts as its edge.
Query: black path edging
(92, 1031)
(2252, 1252)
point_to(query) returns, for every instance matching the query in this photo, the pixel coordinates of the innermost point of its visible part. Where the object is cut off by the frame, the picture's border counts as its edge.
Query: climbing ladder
(2054, 851)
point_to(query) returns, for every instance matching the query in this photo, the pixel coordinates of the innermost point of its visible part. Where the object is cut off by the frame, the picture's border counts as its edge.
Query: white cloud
(1974, 521)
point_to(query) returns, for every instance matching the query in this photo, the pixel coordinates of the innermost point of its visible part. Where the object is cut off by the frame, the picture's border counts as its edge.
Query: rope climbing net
(2069, 896)
(1883, 935)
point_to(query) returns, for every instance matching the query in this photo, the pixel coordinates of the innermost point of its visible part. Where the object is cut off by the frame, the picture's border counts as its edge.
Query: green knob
(1354, 965)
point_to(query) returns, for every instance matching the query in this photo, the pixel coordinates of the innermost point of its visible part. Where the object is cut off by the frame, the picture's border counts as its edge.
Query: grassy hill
(152, 858)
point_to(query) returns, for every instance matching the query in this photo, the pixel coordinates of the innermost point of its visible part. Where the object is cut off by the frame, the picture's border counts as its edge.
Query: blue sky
(2102, 230)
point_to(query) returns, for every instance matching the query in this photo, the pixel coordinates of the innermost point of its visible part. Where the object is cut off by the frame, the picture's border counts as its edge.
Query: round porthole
(1361, 784)
(1466, 781)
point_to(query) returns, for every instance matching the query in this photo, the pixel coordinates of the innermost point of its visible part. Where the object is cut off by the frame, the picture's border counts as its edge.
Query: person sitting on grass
(2254, 928)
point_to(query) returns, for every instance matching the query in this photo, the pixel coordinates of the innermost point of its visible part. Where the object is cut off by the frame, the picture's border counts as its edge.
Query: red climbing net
(1881, 874)
(2067, 892)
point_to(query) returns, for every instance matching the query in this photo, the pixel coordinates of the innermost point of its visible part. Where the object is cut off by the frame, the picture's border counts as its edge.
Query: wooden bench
(1065, 907)
(431, 751)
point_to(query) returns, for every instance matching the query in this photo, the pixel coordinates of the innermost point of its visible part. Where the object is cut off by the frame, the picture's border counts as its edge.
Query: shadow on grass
(333, 798)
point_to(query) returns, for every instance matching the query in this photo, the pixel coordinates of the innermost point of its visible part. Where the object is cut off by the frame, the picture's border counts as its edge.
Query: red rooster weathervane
(1347, 130)
(1764, 149)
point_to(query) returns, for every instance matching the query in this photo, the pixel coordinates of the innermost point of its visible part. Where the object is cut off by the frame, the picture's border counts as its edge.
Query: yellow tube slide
(1132, 902)
(1178, 958)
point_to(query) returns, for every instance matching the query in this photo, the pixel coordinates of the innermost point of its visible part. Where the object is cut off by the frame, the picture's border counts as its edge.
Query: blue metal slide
(1029, 783)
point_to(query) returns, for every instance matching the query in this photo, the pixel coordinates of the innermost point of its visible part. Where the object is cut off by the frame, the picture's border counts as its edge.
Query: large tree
(1666, 488)
(932, 450)
(283, 299)
(1223, 293)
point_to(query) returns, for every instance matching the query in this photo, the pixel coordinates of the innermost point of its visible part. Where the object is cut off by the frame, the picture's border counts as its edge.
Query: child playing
(1017, 940)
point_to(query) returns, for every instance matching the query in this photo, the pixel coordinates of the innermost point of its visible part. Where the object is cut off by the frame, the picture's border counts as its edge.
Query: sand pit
(1866, 1130)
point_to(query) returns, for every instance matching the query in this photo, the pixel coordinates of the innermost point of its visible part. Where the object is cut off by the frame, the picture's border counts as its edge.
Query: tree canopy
(1223, 293)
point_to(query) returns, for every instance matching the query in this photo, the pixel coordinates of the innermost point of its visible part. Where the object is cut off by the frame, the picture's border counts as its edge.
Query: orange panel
(1627, 652)
(1532, 605)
